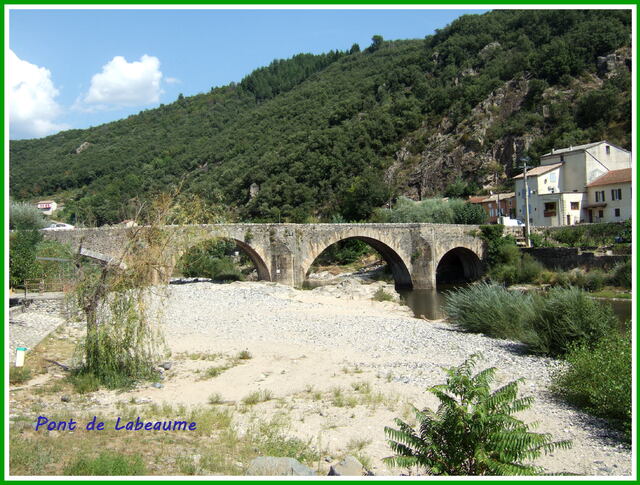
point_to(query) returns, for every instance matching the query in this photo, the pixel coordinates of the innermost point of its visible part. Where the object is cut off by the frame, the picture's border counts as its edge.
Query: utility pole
(526, 204)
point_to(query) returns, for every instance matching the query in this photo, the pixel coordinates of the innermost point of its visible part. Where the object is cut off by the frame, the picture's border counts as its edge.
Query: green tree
(473, 432)
(22, 257)
(376, 43)
(367, 192)
(25, 216)
(468, 213)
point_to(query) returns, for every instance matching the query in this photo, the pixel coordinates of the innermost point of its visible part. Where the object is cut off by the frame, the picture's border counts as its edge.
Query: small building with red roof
(609, 197)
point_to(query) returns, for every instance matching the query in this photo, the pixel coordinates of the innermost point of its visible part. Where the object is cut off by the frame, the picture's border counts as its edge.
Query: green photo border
(291, 4)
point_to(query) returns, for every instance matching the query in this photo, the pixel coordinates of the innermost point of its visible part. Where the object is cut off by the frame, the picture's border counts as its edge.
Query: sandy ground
(311, 353)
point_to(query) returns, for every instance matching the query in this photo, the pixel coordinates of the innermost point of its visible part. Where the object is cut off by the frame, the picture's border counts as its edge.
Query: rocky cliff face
(434, 156)
(466, 150)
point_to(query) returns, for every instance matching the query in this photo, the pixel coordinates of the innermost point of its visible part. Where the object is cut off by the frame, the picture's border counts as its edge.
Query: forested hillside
(340, 134)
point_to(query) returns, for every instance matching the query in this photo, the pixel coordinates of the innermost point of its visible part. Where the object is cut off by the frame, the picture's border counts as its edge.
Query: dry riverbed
(268, 370)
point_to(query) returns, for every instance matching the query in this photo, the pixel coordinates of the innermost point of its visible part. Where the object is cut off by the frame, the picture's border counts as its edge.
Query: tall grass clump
(107, 463)
(493, 310)
(548, 323)
(568, 315)
(598, 379)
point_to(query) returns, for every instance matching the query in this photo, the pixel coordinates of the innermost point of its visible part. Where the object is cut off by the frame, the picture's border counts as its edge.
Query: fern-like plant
(473, 431)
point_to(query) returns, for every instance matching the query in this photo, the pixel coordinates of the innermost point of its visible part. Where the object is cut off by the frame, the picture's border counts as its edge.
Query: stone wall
(567, 258)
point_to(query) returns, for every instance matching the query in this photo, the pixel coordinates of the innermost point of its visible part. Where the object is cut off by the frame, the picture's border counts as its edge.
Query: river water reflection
(430, 303)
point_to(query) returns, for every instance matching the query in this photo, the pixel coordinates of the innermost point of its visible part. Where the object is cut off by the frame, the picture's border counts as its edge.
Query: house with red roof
(609, 197)
(560, 192)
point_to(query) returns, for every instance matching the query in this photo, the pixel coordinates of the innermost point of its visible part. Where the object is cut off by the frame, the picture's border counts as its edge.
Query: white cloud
(123, 83)
(172, 80)
(32, 105)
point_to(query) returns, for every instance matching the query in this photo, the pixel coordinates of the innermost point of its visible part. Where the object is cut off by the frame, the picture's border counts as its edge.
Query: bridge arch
(399, 269)
(261, 267)
(458, 265)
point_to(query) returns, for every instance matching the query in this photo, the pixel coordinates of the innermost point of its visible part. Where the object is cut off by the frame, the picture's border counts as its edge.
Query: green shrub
(467, 213)
(595, 280)
(22, 257)
(571, 235)
(565, 316)
(473, 431)
(529, 269)
(107, 463)
(25, 216)
(539, 241)
(493, 310)
(382, 295)
(506, 273)
(598, 379)
(344, 252)
(18, 375)
(563, 279)
(622, 275)
(594, 234)
(211, 259)
(452, 211)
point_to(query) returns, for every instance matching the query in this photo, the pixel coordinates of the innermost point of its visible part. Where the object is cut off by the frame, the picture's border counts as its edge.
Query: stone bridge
(416, 253)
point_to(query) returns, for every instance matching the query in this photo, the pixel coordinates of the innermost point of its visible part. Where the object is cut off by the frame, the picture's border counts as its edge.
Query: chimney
(553, 150)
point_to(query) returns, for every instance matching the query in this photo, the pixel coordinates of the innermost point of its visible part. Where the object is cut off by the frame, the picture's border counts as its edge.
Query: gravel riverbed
(305, 339)
(386, 338)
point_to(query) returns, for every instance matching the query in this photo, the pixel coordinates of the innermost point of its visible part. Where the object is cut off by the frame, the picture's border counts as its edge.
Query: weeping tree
(122, 301)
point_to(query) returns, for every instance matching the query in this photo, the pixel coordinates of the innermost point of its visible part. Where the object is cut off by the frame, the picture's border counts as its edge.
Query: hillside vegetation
(340, 134)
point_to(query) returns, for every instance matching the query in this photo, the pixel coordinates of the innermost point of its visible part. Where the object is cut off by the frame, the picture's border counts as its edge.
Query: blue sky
(81, 68)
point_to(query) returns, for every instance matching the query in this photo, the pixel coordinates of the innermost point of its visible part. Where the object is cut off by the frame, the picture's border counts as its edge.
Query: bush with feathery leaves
(473, 431)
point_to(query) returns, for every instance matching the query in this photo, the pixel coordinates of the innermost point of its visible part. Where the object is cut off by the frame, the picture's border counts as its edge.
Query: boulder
(278, 466)
(350, 466)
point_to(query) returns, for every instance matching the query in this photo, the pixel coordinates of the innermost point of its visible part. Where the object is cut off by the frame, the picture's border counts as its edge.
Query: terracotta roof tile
(539, 170)
(612, 177)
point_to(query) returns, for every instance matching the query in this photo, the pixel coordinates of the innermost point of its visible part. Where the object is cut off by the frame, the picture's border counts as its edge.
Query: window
(616, 194)
(562, 158)
(553, 178)
(608, 149)
(600, 196)
(575, 206)
(600, 213)
(549, 209)
(616, 212)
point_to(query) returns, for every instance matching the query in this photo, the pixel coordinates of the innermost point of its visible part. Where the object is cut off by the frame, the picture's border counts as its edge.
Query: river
(430, 303)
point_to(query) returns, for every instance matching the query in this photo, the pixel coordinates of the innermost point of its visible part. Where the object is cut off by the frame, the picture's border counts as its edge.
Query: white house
(47, 207)
(609, 197)
(558, 188)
